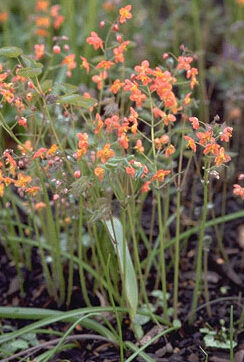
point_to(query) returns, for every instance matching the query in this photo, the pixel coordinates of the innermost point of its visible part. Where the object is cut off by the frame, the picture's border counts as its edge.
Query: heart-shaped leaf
(10, 52)
(30, 72)
(77, 100)
(30, 62)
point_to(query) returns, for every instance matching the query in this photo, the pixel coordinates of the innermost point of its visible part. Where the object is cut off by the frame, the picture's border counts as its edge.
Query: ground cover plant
(121, 186)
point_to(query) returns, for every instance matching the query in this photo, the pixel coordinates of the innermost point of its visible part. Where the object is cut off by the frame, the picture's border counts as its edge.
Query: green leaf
(30, 62)
(14, 346)
(211, 342)
(47, 316)
(46, 85)
(177, 323)
(115, 230)
(77, 100)
(64, 88)
(30, 72)
(10, 52)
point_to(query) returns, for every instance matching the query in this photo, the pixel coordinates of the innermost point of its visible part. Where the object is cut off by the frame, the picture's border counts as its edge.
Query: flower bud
(56, 49)
(77, 174)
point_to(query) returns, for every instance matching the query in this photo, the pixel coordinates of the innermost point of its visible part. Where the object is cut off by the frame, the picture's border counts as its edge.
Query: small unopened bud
(115, 27)
(30, 85)
(66, 47)
(119, 38)
(77, 174)
(29, 96)
(55, 197)
(102, 24)
(22, 122)
(21, 164)
(56, 49)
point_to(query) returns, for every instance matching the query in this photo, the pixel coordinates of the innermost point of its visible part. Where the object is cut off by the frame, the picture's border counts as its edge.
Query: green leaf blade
(10, 52)
(115, 230)
(77, 100)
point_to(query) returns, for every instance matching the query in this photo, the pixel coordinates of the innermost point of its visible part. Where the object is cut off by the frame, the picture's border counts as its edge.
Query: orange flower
(133, 118)
(22, 121)
(191, 143)
(100, 78)
(112, 123)
(55, 10)
(105, 64)
(123, 141)
(109, 5)
(139, 147)
(40, 205)
(184, 62)
(205, 137)
(99, 123)
(116, 86)
(23, 180)
(58, 21)
(83, 145)
(145, 187)
(159, 142)
(42, 32)
(162, 84)
(39, 51)
(42, 5)
(11, 162)
(227, 133)
(125, 14)
(160, 175)
(211, 148)
(238, 191)
(119, 52)
(1, 189)
(3, 16)
(52, 150)
(138, 97)
(187, 99)
(69, 60)
(168, 119)
(85, 64)
(40, 153)
(240, 2)
(95, 41)
(143, 70)
(32, 190)
(195, 122)
(158, 113)
(192, 73)
(130, 171)
(43, 22)
(136, 169)
(3, 76)
(105, 153)
(99, 172)
(221, 157)
(27, 147)
(169, 150)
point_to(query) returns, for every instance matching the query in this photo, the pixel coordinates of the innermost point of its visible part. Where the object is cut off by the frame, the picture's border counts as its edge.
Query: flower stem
(200, 246)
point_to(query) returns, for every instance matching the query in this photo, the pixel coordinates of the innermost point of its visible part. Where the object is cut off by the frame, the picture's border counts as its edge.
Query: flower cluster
(143, 126)
(47, 16)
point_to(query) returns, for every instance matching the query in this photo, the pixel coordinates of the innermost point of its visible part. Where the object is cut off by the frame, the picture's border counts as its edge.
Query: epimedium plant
(84, 163)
